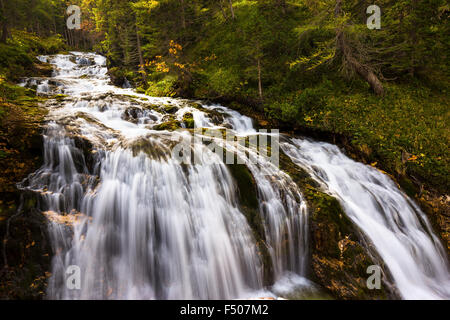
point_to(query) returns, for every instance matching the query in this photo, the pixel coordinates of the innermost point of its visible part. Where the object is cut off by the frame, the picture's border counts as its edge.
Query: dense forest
(306, 67)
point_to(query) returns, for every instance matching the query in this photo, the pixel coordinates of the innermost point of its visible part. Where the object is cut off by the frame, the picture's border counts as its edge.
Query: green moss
(408, 186)
(59, 96)
(170, 125)
(164, 87)
(405, 133)
(188, 120)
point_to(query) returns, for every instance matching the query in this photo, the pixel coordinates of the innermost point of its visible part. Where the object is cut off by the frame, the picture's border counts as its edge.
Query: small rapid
(398, 229)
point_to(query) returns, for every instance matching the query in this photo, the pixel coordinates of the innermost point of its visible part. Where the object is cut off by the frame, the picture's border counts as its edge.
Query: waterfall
(398, 229)
(140, 225)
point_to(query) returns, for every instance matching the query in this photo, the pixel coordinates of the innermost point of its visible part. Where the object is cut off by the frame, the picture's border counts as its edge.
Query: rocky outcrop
(248, 203)
(26, 250)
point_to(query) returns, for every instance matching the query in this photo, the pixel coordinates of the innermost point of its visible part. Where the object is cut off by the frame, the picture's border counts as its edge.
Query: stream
(141, 225)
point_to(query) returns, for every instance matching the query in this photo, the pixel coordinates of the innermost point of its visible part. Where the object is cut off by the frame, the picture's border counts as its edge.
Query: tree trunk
(141, 59)
(222, 10)
(231, 9)
(259, 79)
(5, 33)
(363, 71)
(413, 39)
(183, 17)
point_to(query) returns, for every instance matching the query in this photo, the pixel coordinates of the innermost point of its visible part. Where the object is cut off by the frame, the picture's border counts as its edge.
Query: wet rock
(132, 114)
(216, 117)
(195, 105)
(249, 205)
(43, 69)
(84, 61)
(153, 149)
(169, 109)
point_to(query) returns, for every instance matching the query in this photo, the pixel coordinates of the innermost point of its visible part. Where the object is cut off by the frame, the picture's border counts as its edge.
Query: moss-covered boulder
(42, 69)
(188, 120)
(117, 76)
(169, 125)
(151, 148)
(168, 108)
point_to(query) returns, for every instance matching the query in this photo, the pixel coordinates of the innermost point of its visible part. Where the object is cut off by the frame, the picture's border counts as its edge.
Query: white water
(147, 227)
(395, 225)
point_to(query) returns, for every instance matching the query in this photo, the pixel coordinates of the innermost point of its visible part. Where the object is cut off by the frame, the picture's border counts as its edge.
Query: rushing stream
(141, 225)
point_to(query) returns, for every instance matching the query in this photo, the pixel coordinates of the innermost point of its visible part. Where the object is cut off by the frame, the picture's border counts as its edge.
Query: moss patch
(188, 120)
(169, 125)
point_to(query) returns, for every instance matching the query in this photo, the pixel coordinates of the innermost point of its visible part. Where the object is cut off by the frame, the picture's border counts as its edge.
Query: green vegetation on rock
(339, 258)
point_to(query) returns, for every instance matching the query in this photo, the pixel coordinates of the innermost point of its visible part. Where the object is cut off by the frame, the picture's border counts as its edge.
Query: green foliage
(406, 132)
(162, 88)
(295, 108)
(188, 120)
(18, 54)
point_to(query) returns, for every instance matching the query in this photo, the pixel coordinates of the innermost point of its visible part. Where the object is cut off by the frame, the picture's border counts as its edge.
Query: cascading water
(143, 226)
(140, 225)
(395, 225)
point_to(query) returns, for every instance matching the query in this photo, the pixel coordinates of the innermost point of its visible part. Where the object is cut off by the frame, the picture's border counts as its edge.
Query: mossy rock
(117, 76)
(249, 205)
(27, 248)
(170, 125)
(154, 107)
(169, 108)
(188, 120)
(215, 116)
(42, 69)
(59, 97)
(195, 105)
(339, 254)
